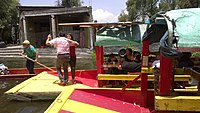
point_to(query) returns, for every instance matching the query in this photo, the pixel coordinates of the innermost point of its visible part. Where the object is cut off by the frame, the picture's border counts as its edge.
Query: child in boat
(31, 52)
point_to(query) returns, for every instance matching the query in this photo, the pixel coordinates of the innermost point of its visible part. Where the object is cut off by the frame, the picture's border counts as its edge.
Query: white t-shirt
(62, 45)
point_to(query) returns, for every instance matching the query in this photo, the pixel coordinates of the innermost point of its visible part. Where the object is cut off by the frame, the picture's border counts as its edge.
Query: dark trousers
(62, 60)
(30, 66)
(72, 64)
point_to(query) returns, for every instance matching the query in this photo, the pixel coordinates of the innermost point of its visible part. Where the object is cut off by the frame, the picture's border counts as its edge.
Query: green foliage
(123, 17)
(196, 54)
(94, 57)
(8, 14)
(69, 3)
(139, 9)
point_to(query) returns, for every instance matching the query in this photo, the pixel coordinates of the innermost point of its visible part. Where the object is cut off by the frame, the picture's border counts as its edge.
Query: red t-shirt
(72, 51)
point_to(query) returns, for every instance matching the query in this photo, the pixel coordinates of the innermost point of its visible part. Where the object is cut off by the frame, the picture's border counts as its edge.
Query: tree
(140, 9)
(123, 17)
(9, 17)
(69, 3)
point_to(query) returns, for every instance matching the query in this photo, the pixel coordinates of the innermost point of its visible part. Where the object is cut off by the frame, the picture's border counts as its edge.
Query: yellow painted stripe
(131, 77)
(59, 102)
(177, 103)
(23, 84)
(78, 107)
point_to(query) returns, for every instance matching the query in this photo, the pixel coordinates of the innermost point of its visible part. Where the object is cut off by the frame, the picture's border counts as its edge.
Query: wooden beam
(131, 77)
(50, 12)
(177, 103)
(17, 75)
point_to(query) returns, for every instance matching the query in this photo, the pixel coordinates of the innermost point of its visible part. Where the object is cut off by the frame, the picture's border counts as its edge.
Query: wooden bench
(177, 103)
(103, 78)
(132, 77)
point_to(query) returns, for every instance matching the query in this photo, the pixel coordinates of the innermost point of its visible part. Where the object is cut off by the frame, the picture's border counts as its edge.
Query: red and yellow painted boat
(86, 96)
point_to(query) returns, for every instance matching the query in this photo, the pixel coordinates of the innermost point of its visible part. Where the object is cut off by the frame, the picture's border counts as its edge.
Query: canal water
(11, 106)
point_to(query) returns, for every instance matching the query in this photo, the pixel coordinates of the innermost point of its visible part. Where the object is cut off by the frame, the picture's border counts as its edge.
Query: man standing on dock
(62, 45)
(32, 56)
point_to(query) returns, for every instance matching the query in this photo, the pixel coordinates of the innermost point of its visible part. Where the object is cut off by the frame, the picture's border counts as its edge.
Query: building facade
(36, 22)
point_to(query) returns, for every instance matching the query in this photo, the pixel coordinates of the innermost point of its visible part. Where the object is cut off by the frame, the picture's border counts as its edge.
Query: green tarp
(187, 26)
(120, 35)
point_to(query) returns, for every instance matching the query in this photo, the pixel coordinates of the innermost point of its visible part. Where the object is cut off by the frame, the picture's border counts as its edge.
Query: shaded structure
(36, 22)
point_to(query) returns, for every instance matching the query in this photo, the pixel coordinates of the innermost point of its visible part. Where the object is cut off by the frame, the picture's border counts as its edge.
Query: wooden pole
(39, 63)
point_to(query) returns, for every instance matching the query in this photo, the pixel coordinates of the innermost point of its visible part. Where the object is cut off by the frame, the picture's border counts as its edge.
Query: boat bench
(177, 103)
(105, 77)
(132, 77)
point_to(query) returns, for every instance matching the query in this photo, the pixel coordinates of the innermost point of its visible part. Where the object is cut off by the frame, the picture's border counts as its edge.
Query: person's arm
(22, 53)
(49, 38)
(36, 58)
(73, 43)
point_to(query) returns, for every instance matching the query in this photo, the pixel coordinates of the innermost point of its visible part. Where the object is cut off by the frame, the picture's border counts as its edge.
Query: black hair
(62, 34)
(137, 55)
(72, 38)
(130, 50)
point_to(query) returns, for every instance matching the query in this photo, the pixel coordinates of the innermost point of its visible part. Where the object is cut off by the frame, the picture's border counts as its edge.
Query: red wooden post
(144, 76)
(99, 62)
(165, 75)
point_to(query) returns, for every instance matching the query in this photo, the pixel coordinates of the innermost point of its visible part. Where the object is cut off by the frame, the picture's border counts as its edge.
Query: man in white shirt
(62, 45)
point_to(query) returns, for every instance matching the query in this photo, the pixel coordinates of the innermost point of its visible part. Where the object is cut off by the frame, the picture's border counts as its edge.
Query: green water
(11, 106)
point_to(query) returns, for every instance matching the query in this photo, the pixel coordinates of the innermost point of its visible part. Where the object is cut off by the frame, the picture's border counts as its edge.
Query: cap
(26, 42)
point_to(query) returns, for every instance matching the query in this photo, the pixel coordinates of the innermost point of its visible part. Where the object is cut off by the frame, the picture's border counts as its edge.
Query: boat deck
(94, 101)
(44, 86)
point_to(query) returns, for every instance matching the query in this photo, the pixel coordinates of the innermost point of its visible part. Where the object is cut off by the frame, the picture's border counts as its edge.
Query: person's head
(61, 34)
(129, 51)
(70, 36)
(26, 44)
(186, 56)
(137, 56)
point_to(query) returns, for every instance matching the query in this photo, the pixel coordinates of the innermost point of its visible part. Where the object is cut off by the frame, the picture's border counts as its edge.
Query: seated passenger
(185, 61)
(129, 55)
(113, 60)
(134, 66)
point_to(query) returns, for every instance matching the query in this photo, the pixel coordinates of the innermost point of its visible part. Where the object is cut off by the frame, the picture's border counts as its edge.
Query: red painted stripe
(106, 102)
(65, 111)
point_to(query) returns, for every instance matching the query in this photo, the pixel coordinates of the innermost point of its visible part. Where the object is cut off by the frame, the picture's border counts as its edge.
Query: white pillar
(91, 30)
(53, 26)
(25, 30)
(91, 38)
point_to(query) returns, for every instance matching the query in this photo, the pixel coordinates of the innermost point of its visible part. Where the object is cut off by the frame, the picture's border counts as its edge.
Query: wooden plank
(59, 102)
(71, 106)
(186, 90)
(23, 84)
(131, 77)
(177, 103)
(17, 75)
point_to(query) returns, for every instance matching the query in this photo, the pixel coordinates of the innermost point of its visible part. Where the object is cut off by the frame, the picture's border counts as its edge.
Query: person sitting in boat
(113, 61)
(125, 56)
(186, 62)
(132, 66)
(129, 55)
(31, 52)
(135, 65)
